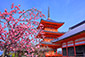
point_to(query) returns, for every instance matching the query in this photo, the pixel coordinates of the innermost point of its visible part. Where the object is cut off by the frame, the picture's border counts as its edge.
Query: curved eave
(50, 34)
(52, 46)
(55, 25)
(45, 23)
(52, 22)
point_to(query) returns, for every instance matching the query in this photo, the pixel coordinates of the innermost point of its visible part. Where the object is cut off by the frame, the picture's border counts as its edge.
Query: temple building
(73, 41)
(51, 32)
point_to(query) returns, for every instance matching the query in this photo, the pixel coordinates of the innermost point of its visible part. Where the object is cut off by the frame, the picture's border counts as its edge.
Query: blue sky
(1, 53)
(69, 11)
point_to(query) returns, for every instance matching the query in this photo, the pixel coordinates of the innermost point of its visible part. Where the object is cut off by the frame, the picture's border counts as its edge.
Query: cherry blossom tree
(18, 29)
(41, 51)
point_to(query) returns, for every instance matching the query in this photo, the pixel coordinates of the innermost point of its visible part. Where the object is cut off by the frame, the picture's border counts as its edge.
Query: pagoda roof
(54, 32)
(50, 44)
(44, 42)
(79, 28)
(51, 21)
(50, 33)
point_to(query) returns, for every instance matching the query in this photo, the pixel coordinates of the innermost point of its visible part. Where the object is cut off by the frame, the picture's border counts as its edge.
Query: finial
(48, 14)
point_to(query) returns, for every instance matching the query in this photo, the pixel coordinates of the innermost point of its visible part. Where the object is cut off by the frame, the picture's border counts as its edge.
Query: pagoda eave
(50, 34)
(51, 46)
(55, 33)
(59, 23)
(55, 25)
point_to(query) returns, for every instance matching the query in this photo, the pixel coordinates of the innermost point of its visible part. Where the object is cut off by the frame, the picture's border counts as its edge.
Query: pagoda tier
(51, 35)
(51, 24)
(50, 44)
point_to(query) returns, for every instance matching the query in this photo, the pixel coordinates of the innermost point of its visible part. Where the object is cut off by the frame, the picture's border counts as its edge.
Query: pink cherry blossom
(15, 32)
(19, 5)
(25, 53)
(12, 6)
(32, 54)
(5, 10)
(38, 46)
(36, 56)
(20, 12)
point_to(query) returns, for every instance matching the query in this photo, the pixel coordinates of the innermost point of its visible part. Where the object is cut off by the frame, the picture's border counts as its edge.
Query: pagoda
(50, 30)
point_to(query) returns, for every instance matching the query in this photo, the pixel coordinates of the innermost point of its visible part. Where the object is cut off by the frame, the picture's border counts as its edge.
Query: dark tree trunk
(4, 53)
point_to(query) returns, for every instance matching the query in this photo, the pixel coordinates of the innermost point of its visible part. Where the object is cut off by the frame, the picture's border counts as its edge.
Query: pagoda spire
(48, 13)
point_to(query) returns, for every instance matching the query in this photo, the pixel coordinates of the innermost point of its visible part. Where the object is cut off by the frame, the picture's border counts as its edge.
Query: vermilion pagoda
(50, 32)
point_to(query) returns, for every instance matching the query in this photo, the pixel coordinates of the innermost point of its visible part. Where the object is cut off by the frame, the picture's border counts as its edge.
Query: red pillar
(62, 49)
(67, 49)
(74, 48)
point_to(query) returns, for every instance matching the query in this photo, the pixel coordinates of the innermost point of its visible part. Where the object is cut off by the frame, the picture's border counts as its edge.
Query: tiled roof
(52, 21)
(46, 42)
(71, 32)
(49, 43)
(53, 32)
(77, 24)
